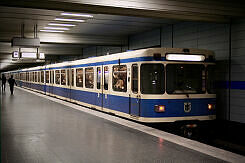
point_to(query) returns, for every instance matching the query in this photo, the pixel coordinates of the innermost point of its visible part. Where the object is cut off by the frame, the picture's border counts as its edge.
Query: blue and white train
(148, 85)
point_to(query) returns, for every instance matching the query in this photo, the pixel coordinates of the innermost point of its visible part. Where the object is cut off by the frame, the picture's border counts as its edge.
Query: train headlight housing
(159, 108)
(211, 106)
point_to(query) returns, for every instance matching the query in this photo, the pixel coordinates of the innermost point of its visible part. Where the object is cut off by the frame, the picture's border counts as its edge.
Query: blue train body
(61, 80)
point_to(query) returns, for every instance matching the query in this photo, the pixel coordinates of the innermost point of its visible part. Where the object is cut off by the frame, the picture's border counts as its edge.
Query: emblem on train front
(187, 107)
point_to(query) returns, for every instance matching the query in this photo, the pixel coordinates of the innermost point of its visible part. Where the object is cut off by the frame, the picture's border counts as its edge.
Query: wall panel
(237, 112)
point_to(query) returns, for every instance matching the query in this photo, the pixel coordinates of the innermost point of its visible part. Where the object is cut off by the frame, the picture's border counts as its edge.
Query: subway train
(148, 85)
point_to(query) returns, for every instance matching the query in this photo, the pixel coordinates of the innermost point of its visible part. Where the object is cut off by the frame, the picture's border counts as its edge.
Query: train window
(98, 77)
(47, 76)
(57, 76)
(119, 78)
(152, 78)
(79, 77)
(134, 78)
(63, 77)
(30, 76)
(35, 76)
(24, 76)
(72, 77)
(42, 76)
(52, 77)
(211, 79)
(185, 79)
(68, 77)
(106, 77)
(89, 77)
(27, 76)
(38, 76)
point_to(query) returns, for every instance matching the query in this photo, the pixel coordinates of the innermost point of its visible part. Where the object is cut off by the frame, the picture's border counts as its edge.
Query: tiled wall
(93, 51)
(237, 111)
(144, 40)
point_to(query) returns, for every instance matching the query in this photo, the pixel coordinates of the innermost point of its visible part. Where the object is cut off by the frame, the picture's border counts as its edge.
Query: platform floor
(38, 130)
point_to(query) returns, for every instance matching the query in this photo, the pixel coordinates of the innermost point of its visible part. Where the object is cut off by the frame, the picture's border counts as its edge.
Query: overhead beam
(200, 10)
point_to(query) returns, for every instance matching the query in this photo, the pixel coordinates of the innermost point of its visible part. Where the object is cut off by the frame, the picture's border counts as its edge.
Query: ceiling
(102, 29)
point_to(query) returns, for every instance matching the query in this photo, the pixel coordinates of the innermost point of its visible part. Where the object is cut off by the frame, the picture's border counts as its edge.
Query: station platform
(39, 129)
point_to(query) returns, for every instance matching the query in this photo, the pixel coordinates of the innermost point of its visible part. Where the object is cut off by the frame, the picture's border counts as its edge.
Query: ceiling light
(57, 28)
(32, 55)
(46, 30)
(65, 25)
(78, 15)
(70, 20)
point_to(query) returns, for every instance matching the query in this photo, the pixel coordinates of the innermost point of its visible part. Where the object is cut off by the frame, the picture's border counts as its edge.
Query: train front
(179, 85)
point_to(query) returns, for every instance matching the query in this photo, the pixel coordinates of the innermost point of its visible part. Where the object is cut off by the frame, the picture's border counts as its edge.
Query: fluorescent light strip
(29, 55)
(77, 15)
(57, 28)
(69, 20)
(65, 25)
(183, 57)
(46, 30)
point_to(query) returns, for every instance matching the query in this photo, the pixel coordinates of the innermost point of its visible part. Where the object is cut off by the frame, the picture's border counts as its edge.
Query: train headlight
(211, 106)
(159, 108)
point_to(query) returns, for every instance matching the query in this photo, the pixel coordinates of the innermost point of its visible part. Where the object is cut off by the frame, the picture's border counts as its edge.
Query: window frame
(72, 77)
(98, 82)
(63, 72)
(203, 69)
(104, 78)
(76, 76)
(141, 78)
(47, 79)
(120, 83)
(132, 79)
(56, 77)
(39, 76)
(52, 77)
(87, 68)
(42, 77)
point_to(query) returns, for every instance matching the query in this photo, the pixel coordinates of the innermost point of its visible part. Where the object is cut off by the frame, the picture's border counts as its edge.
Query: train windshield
(152, 78)
(185, 79)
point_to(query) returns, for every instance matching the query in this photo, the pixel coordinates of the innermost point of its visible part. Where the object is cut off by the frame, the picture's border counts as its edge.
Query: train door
(99, 87)
(134, 95)
(47, 81)
(51, 87)
(69, 82)
(105, 84)
(43, 88)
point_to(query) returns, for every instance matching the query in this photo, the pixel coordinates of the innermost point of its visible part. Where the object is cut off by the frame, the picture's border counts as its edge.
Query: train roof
(125, 55)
